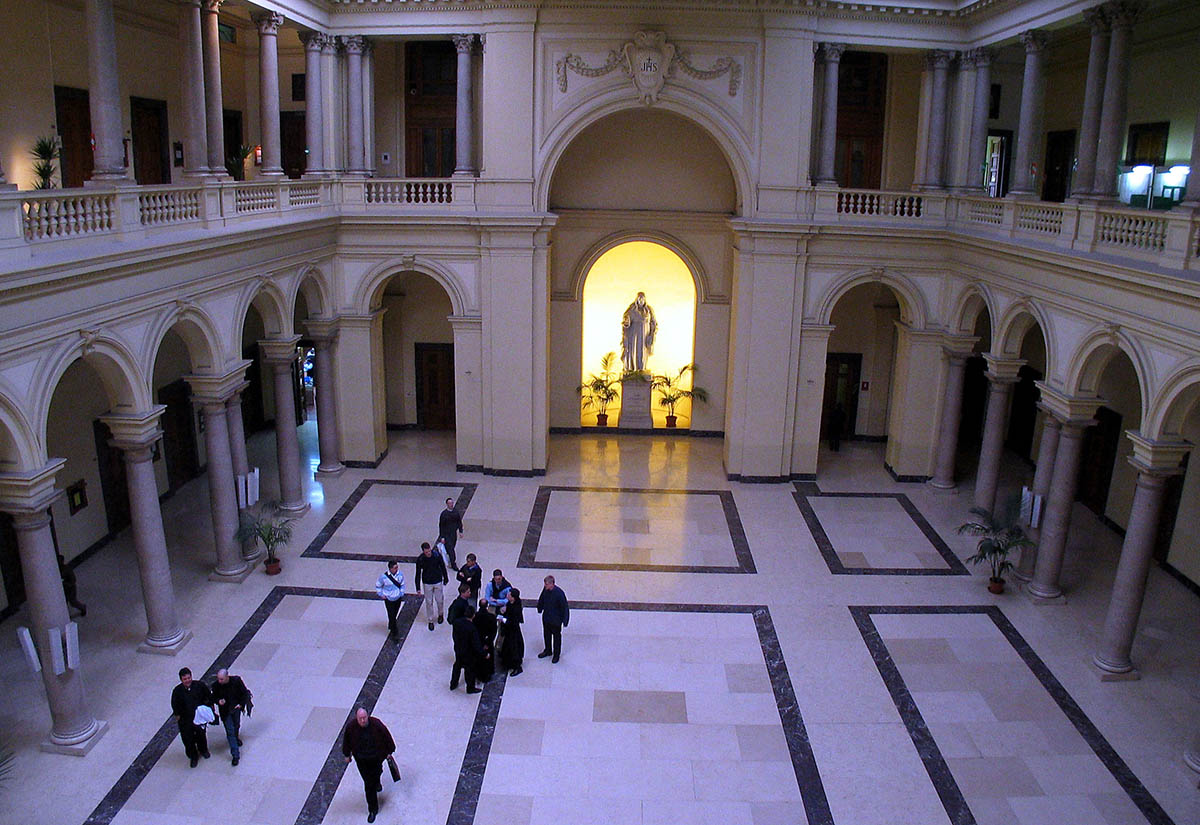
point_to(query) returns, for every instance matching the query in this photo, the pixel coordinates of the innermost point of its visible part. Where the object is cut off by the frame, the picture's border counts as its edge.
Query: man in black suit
(468, 651)
(188, 695)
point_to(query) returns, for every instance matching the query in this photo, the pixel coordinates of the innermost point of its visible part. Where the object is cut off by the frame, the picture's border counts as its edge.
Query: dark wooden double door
(435, 386)
(148, 127)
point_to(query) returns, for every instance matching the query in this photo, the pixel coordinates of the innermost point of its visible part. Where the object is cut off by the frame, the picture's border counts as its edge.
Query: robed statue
(638, 328)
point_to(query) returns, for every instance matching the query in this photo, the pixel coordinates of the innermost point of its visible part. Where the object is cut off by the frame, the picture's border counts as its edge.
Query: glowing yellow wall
(611, 285)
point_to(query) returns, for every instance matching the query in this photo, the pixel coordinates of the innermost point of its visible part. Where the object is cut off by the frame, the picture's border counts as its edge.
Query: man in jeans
(556, 614)
(390, 587)
(431, 578)
(231, 696)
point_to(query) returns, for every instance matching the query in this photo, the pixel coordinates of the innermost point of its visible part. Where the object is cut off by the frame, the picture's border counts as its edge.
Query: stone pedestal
(635, 406)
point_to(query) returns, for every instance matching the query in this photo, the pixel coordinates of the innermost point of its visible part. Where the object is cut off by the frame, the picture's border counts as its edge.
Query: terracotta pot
(272, 567)
(671, 419)
(601, 419)
(996, 586)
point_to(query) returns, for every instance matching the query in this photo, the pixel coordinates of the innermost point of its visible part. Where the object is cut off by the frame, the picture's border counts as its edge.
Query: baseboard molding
(468, 468)
(1112, 525)
(903, 479)
(493, 471)
(870, 439)
(366, 465)
(1177, 574)
(676, 432)
(738, 477)
(396, 427)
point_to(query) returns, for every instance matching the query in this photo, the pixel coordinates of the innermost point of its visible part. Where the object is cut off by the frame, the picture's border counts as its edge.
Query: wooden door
(842, 373)
(113, 486)
(1100, 444)
(435, 386)
(998, 158)
(10, 563)
(232, 125)
(1022, 416)
(179, 434)
(292, 142)
(974, 402)
(151, 145)
(75, 131)
(1060, 162)
(430, 69)
(862, 95)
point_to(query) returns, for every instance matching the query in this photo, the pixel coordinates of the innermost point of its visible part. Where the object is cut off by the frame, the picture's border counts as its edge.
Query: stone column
(947, 448)
(314, 125)
(1057, 519)
(222, 494)
(1191, 196)
(1047, 449)
(28, 497)
(827, 167)
(280, 356)
(1001, 377)
(1155, 462)
(982, 58)
(104, 93)
(1093, 91)
(935, 141)
(329, 80)
(1029, 132)
(464, 140)
(213, 101)
(195, 137)
(1111, 136)
(323, 334)
(368, 81)
(354, 124)
(135, 436)
(268, 24)
(237, 431)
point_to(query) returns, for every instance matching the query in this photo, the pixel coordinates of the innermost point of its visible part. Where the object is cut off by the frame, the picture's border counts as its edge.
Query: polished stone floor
(746, 654)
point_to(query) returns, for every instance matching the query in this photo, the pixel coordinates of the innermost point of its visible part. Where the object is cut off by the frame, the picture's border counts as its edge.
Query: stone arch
(913, 308)
(20, 448)
(314, 286)
(973, 300)
(119, 372)
(199, 333)
(266, 297)
(715, 123)
(672, 243)
(370, 288)
(1086, 367)
(1179, 396)
(1010, 332)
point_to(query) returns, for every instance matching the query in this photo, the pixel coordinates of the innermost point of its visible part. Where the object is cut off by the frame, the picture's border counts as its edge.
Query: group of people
(195, 705)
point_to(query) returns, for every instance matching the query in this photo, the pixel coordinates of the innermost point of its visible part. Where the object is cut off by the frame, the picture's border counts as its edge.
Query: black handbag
(393, 768)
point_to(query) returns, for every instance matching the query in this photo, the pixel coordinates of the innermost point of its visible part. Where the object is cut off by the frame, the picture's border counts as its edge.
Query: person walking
(837, 426)
(468, 651)
(232, 697)
(471, 574)
(369, 743)
(189, 695)
(450, 527)
(431, 578)
(485, 622)
(512, 645)
(556, 614)
(390, 587)
(458, 607)
(70, 585)
(496, 590)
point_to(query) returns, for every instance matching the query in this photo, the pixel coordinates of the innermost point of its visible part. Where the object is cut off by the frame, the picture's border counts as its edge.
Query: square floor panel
(618, 528)
(385, 519)
(874, 534)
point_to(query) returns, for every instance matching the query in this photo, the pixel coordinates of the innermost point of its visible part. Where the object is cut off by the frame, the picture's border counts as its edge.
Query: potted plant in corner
(264, 524)
(600, 390)
(670, 393)
(999, 534)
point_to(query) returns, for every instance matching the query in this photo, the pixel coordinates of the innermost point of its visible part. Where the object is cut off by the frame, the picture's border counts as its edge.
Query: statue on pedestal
(638, 328)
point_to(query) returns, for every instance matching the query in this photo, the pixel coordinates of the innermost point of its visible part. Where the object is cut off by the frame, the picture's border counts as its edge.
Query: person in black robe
(512, 648)
(486, 624)
(468, 651)
(188, 695)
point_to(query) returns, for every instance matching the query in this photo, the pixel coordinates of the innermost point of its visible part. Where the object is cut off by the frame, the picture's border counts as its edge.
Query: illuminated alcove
(611, 285)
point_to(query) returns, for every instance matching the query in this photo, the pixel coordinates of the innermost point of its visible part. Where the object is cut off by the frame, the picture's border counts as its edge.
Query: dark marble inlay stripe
(733, 522)
(807, 489)
(314, 550)
(935, 764)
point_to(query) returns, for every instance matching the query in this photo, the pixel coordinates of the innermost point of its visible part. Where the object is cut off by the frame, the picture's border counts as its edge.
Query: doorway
(1060, 162)
(112, 479)
(974, 402)
(74, 117)
(151, 141)
(179, 435)
(997, 157)
(862, 87)
(234, 163)
(1100, 443)
(842, 373)
(435, 386)
(292, 142)
(430, 69)
(1022, 417)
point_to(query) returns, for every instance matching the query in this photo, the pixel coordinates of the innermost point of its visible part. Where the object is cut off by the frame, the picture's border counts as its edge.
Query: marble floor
(746, 654)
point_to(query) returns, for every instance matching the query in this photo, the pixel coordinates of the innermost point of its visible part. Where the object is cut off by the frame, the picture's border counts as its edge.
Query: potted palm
(999, 534)
(263, 524)
(670, 391)
(45, 152)
(600, 390)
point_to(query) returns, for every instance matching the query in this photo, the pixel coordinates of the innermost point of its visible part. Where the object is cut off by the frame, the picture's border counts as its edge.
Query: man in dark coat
(450, 527)
(471, 574)
(231, 696)
(468, 651)
(486, 624)
(556, 614)
(458, 607)
(368, 742)
(188, 695)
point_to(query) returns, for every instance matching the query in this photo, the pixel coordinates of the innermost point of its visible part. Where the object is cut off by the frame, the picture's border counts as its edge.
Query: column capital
(940, 58)
(329, 43)
(268, 22)
(353, 44)
(212, 390)
(1034, 40)
(321, 330)
(312, 40)
(213, 6)
(1157, 458)
(1123, 13)
(1071, 411)
(135, 431)
(979, 58)
(279, 351)
(959, 346)
(30, 492)
(1097, 19)
(467, 322)
(1001, 370)
(832, 52)
(462, 42)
